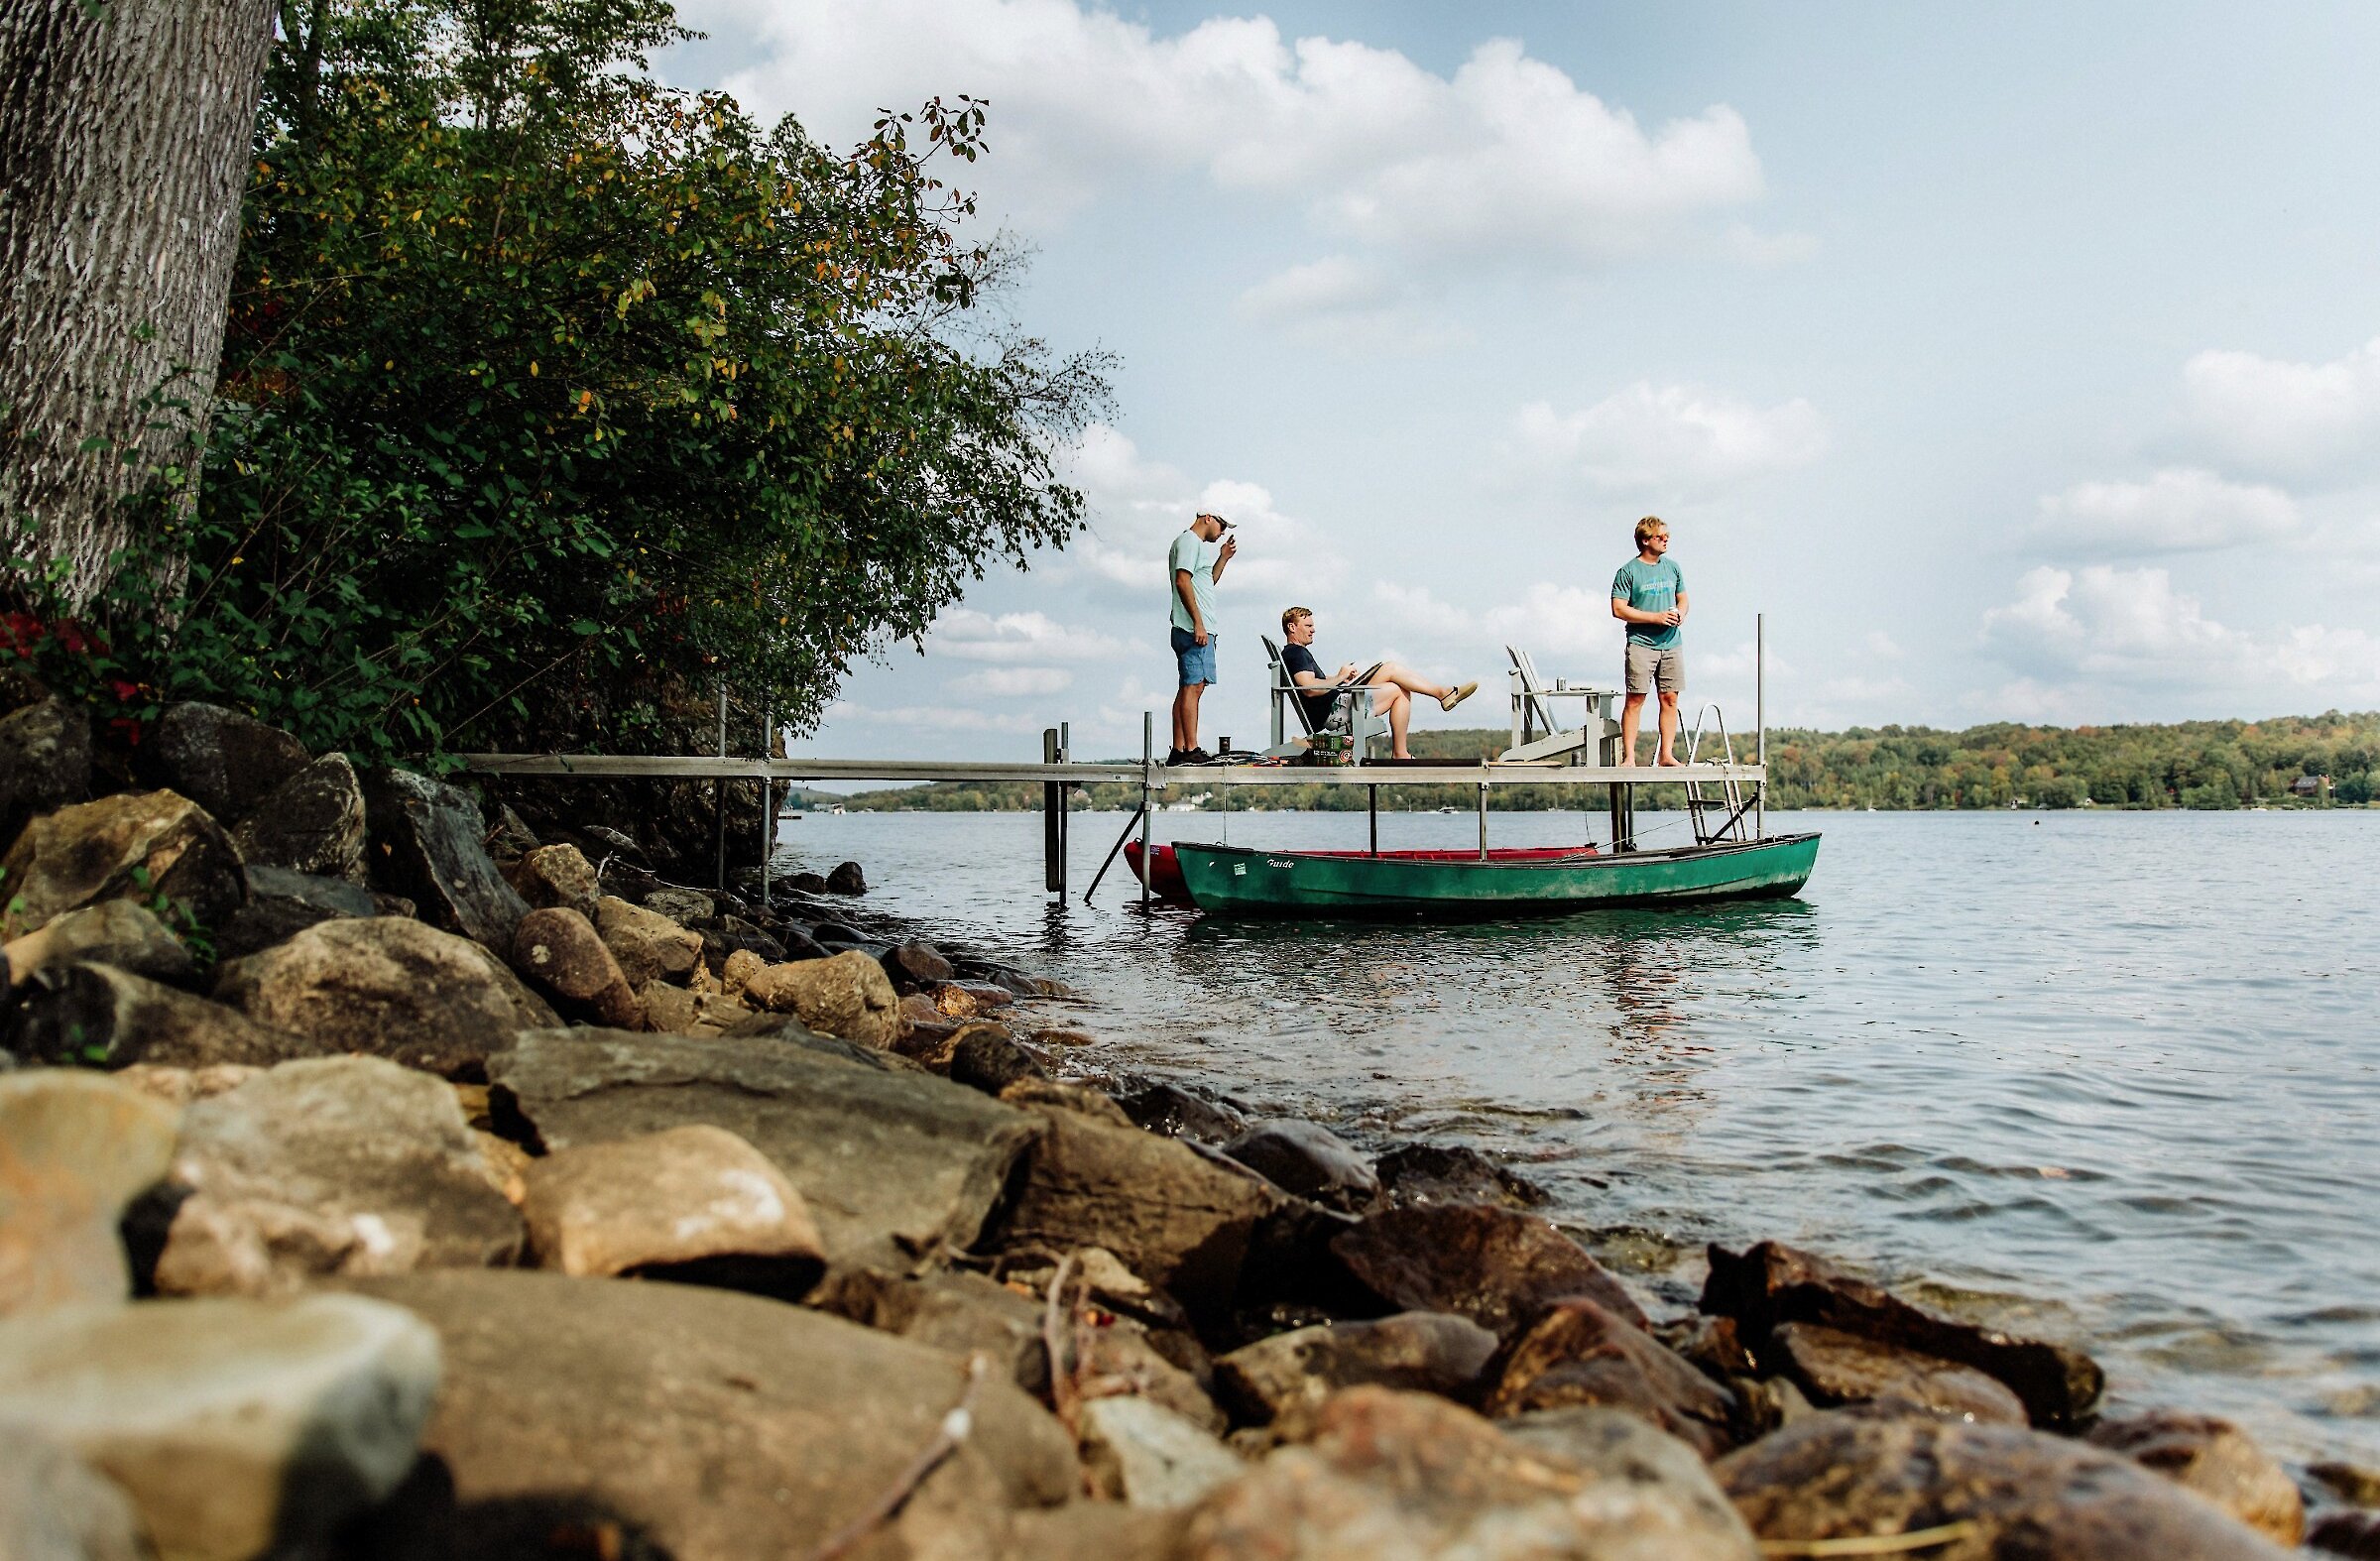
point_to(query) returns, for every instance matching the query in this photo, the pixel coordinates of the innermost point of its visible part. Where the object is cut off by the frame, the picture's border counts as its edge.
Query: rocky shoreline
(380, 1178)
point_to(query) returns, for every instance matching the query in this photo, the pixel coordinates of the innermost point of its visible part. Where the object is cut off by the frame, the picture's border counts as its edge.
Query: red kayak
(1167, 883)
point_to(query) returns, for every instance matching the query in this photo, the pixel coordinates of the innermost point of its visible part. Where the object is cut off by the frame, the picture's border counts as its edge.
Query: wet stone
(847, 878)
(987, 1057)
(1175, 1113)
(1309, 1160)
(1834, 1368)
(1425, 1352)
(1579, 1353)
(1418, 1174)
(2215, 1459)
(1496, 1266)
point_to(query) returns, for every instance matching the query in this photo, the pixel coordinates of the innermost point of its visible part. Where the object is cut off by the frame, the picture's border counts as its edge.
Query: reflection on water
(2103, 1075)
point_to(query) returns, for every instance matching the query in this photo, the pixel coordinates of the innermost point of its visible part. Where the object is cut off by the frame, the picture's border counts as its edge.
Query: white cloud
(1137, 507)
(1346, 302)
(1009, 683)
(1505, 160)
(1413, 609)
(1017, 636)
(1768, 251)
(933, 718)
(2175, 510)
(2084, 641)
(1565, 621)
(2309, 420)
(1668, 439)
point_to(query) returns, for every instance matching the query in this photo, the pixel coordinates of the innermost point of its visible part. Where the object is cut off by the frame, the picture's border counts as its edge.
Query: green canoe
(1239, 880)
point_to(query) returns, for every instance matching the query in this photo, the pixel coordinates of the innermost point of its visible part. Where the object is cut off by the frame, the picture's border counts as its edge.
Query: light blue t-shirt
(1650, 588)
(1199, 558)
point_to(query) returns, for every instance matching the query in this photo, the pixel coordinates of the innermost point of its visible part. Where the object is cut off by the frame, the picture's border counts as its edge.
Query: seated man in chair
(1392, 687)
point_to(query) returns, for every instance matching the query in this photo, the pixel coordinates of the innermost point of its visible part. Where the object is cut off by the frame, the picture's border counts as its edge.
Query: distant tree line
(2192, 764)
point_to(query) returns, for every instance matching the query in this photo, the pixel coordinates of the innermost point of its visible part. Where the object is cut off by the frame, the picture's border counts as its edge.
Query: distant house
(2313, 788)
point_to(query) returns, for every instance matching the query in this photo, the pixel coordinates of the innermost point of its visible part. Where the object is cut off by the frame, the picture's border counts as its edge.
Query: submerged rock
(337, 1166)
(1309, 1160)
(1772, 1283)
(896, 1166)
(708, 1424)
(1424, 1351)
(847, 878)
(427, 844)
(237, 1428)
(74, 1149)
(695, 1204)
(2215, 1459)
(1175, 1113)
(1579, 1353)
(1425, 1173)
(1846, 1474)
(136, 845)
(391, 988)
(1496, 1267)
(312, 823)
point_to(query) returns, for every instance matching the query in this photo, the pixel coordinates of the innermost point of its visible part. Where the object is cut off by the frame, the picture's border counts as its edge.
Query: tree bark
(125, 128)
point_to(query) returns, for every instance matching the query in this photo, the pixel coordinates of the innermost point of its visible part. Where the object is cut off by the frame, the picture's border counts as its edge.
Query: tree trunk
(125, 128)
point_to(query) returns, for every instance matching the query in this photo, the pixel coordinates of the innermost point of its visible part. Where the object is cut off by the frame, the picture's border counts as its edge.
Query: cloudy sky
(2018, 361)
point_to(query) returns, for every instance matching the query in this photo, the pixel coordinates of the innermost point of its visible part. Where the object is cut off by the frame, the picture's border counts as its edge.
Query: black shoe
(1194, 756)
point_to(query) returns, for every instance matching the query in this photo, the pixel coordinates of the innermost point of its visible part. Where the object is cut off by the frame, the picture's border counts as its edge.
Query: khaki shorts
(1651, 667)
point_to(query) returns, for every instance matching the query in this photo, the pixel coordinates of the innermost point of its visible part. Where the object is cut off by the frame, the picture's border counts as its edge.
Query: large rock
(555, 876)
(1174, 1113)
(952, 1309)
(914, 964)
(390, 988)
(649, 945)
(848, 995)
(690, 1203)
(1772, 1283)
(1308, 1159)
(1847, 1475)
(1496, 1266)
(312, 823)
(710, 1426)
(45, 762)
(1406, 1474)
(226, 762)
(236, 1427)
(55, 1507)
(135, 845)
(847, 878)
(427, 844)
(113, 932)
(1649, 1486)
(1425, 1352)
(283, 903)
(1138, 1452)
(74, 1148)
(1173, 1217)
(337, 1166)
(895, 1168)
(2217, 1459)
(1426, 1173)
(1832, 1369)
(681, 906)
(559, 949)
(94, 1014)
(1579, 1353)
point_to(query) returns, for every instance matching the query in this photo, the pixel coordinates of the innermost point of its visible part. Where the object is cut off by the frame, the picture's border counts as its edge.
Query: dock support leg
(1372, 792)
(719, 797)
(1483, 820)
(1065, 802)
(1053, 819)
(768, 804)
(1148, 757)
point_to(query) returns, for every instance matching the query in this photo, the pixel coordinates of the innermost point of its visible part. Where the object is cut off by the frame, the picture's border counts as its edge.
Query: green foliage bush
(551, 397)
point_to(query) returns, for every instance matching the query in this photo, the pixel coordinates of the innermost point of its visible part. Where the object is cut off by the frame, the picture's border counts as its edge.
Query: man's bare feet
(1670, 760)
(1628, 761)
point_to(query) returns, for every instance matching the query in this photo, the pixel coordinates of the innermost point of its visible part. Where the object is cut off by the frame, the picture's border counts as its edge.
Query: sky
(2016, 362)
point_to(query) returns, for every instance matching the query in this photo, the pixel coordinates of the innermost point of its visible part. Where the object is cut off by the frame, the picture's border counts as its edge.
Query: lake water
(2111, 1077)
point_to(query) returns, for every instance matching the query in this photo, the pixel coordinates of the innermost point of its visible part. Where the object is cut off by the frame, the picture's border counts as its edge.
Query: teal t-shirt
(1199, 558)
(1650, 588)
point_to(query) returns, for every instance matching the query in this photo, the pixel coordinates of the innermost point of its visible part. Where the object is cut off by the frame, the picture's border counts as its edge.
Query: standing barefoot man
(1193, 568)
(1649, 596)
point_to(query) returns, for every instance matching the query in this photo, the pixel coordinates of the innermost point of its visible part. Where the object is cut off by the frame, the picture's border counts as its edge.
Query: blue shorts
(1197, 661)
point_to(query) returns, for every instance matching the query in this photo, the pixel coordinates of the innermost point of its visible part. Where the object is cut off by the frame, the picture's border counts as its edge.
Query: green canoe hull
(1236, 880)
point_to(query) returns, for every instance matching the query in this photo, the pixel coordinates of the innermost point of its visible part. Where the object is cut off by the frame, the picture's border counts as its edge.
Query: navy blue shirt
(1296, 659)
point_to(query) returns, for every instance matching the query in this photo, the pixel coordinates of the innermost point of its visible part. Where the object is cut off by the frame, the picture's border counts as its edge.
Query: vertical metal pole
(1483, 820)
(767, 802)
(1760, 722)
(1374, 792)
(1148, 758)
(1065, 794)
(1053, 871)
(719, 796)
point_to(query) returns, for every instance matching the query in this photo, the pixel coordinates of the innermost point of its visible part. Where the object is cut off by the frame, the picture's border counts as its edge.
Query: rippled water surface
(2108, 1076)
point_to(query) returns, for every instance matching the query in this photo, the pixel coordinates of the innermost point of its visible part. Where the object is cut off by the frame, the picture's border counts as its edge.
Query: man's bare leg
(1186, 716)
(1394, 675)
(1669, 731)
(1632, 719)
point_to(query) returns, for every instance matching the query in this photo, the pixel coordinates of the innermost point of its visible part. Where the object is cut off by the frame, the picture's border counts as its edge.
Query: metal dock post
(1760, 723)
(1053, 818)
(768, 804)
(719, 796)
(1148, 757)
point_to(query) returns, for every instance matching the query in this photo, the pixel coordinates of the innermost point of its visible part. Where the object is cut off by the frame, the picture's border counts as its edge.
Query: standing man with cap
(1649, 596)
(1192, 570)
